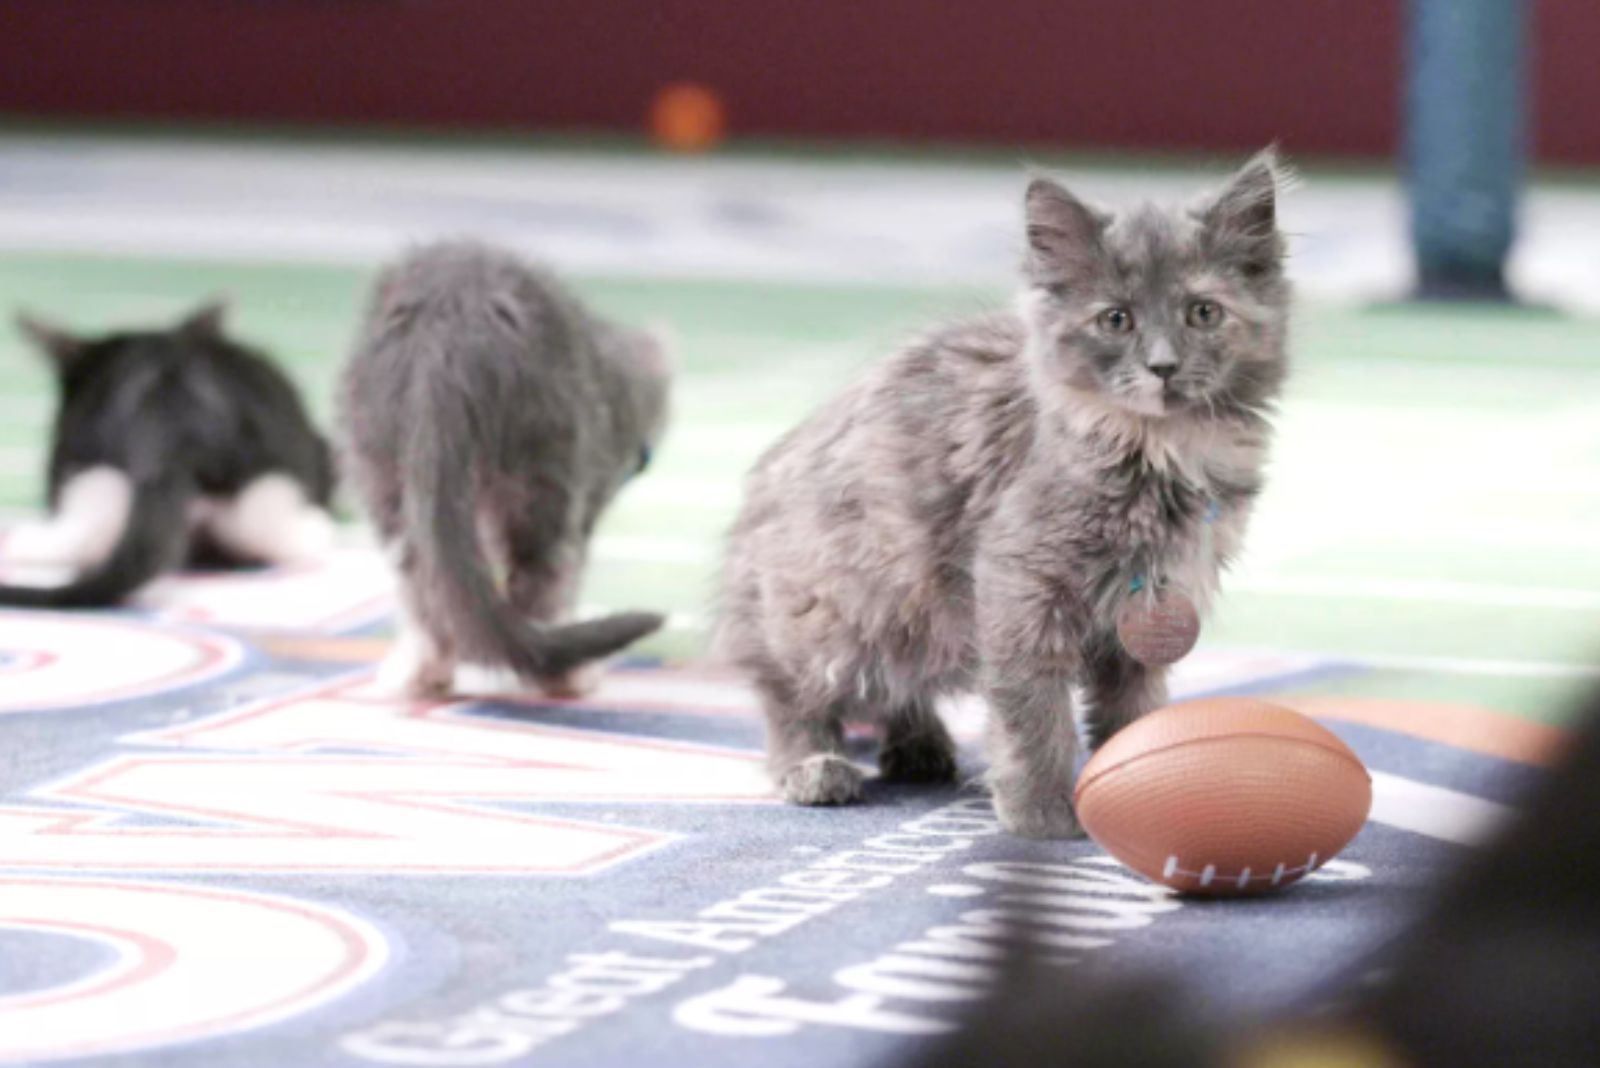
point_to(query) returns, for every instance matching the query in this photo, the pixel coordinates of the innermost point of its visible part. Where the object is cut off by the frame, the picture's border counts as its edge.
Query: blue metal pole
(1466, 142)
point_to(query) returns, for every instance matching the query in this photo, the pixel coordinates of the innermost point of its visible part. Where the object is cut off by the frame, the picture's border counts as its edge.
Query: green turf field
(1433, 512)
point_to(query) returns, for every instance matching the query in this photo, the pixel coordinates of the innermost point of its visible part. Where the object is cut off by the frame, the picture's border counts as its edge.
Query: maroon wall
(1319, 75)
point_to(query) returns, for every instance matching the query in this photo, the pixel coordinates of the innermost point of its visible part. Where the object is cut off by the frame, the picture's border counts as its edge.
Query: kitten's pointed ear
(1241, 219)
(1063, 231)
(61, 347)
(208, 320)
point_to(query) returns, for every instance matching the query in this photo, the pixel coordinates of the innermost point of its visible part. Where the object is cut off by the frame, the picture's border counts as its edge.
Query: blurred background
(794, 187)
(1154, 75)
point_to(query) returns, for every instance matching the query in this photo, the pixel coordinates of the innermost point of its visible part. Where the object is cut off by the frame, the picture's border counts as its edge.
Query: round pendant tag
(1158, 630)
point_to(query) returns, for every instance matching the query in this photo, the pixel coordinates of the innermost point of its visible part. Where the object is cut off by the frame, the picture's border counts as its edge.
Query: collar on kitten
(1162, 627)
(1212, 513)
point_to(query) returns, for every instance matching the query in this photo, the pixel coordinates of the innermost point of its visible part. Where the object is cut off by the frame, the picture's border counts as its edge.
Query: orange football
(1224, 796)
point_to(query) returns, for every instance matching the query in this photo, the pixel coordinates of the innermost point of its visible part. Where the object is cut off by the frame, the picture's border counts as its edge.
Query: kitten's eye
(1204, 313)
(1116, 320)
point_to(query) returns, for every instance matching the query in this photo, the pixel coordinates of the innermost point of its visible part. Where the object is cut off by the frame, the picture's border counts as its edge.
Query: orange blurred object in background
(687, 117)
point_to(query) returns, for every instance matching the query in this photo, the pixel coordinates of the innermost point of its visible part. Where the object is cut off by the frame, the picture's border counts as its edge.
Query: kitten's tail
(441, 517)
(153, 540)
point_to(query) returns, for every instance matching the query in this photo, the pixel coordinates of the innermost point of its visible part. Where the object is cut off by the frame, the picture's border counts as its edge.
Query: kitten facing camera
(490, 419)
(170, 446)
(977, 511)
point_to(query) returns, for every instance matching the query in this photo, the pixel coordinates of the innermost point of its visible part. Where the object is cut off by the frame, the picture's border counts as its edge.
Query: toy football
(1224, 796)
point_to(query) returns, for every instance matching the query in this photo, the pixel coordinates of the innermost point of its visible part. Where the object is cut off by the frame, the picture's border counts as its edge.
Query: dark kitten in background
(169, 444)
(976, 511)
(490, 419)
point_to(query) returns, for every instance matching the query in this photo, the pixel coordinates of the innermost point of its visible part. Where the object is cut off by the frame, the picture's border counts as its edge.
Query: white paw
(487, 680)
(310, 539)
(823, 779)
(399, 668)
(271, 521)
(1035, 814)
(43, 545)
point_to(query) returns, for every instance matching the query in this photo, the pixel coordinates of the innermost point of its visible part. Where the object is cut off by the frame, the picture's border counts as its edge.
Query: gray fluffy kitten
(976, 510)
(489, 420)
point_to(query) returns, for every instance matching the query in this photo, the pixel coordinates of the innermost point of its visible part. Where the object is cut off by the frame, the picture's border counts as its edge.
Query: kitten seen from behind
(490, 418)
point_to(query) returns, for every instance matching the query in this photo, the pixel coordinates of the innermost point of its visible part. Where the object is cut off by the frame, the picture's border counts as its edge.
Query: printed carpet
(219, 847)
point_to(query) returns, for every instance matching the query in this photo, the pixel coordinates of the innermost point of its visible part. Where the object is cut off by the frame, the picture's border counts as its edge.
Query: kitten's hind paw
(1037, 817)
(922, 759)
(405, 672)
(579, 682)
(824, 779)
(394, 674)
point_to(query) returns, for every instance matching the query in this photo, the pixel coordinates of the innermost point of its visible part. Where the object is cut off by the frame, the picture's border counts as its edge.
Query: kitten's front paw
(824, 779)
(1032, 815)
(921, 759)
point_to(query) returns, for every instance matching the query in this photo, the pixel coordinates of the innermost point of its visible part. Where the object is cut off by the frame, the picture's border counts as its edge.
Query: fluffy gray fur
(971, 514)
(489, 420)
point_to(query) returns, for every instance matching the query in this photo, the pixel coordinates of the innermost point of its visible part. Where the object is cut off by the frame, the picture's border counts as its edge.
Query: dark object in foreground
(1504, 970)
